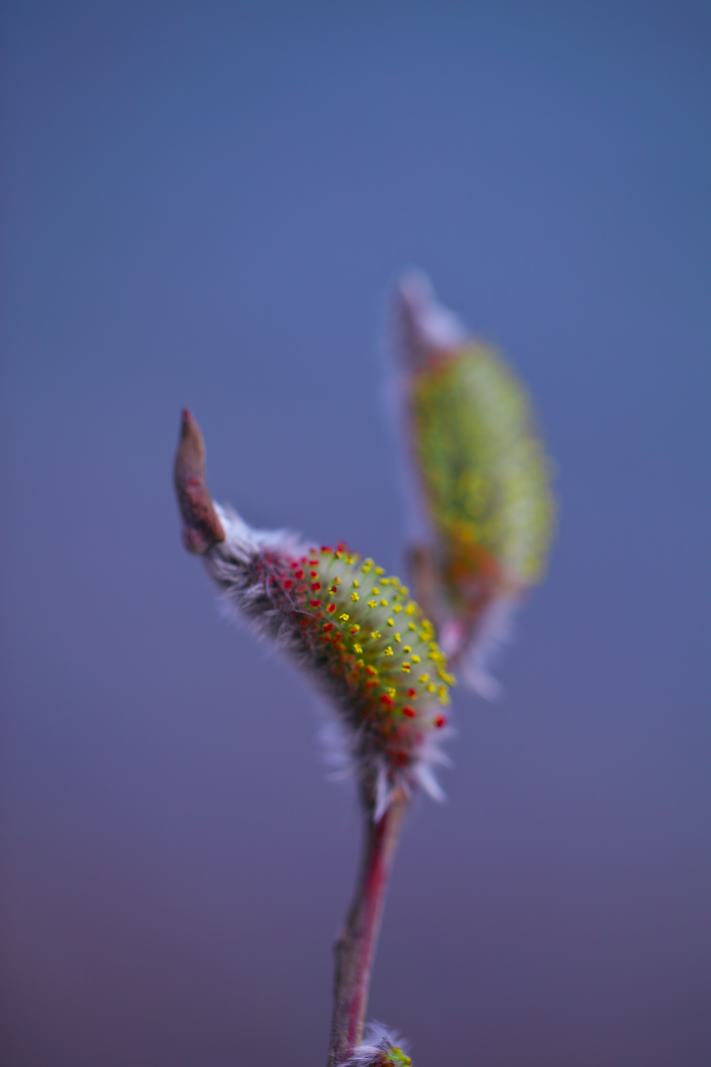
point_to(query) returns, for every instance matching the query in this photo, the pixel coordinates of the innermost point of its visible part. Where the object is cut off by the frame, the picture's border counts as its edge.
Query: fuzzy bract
(359, 634)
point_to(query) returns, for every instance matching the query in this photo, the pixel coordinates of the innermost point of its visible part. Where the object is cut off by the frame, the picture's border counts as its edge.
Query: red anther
(313, 563)
(440, 721)
(340, 547)
(299, 574)
(410, 712)
(412, 692)
(388, 701)
(315, 603)
(330, 609)
(315, 586)
(325, 548)
(327, 626)
(287, 583)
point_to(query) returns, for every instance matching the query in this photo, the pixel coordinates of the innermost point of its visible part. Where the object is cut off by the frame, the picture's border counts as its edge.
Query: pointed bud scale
(482, 471)
(201, 527)
(349, 646)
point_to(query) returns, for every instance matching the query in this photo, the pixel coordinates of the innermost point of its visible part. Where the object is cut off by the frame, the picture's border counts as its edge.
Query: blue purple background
(207, 204)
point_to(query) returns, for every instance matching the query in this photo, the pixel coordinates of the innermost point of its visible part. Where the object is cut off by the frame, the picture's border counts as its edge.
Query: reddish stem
(355, 948)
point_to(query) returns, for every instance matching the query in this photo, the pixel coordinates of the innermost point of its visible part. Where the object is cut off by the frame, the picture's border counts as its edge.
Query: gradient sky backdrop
(207, 204)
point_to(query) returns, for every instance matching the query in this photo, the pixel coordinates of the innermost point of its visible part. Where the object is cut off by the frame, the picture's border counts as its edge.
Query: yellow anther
(416, 658)
(344, 616)
(407, 649)
(390, 622)
(391, 691)
(379, 570)
(424, 678)
(410, 609)
(397, 608)
(397, 637)
(406, 667)
(411, 626)
(375, 635)
(355, 597)
(376, 591)
(357, 649)
(388, 651)
(431, 688)
(384, 603)
(355, 583)
(372, 603)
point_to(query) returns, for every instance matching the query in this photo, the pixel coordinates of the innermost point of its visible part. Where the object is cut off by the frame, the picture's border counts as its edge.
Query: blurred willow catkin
(483, 476)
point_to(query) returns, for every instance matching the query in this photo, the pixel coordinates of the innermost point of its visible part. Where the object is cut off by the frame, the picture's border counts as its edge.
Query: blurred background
(208, 204)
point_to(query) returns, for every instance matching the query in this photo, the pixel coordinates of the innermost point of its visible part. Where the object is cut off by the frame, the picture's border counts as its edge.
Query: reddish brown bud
(201, 526)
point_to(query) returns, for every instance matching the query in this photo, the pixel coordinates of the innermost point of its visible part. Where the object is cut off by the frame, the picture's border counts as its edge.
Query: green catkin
(360, 626)
(483, 471)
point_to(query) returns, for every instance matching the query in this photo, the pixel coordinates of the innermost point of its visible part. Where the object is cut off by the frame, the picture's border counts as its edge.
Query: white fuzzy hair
(378, 1041)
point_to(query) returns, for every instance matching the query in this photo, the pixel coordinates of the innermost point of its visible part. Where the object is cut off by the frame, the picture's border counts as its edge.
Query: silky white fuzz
(380, 1048)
